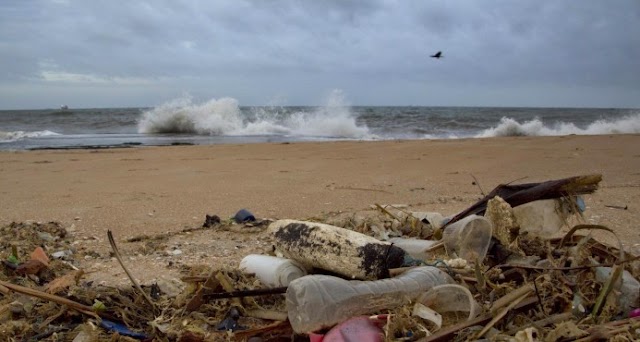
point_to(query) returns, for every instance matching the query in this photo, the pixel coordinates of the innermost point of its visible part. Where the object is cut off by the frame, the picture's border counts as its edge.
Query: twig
(271, 315)
(543, 322)
(598, 332)
(87, 310)
(4, 290)
(614, 276)
(49, 332)
(133, 280)
(387, 212)
(47, 321)
(278, 325)
(475, 182)
(209, 284)
(617, 207)
(510, 297)
(535, 287)
(591, 226)
(435, 246)
(246, 293)
(568, 268)
(500, 315)
(446, 333)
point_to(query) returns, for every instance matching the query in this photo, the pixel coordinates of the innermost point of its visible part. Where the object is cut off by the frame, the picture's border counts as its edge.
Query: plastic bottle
(318, 301)
(272, 271)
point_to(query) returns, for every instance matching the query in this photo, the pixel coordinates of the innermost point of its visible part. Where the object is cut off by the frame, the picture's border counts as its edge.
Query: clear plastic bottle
(318, 301)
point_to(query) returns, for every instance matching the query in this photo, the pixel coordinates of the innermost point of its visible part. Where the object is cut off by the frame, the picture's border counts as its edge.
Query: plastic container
(272, 271)
(542, 218)
(468, 238)
(319, 301)
(416, 248)
(451, 298)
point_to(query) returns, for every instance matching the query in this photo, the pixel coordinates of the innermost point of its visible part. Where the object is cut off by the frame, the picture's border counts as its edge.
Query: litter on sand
(519, 265)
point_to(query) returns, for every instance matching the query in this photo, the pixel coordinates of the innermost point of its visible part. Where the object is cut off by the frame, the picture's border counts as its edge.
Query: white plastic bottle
(318, 301)
(272, 271)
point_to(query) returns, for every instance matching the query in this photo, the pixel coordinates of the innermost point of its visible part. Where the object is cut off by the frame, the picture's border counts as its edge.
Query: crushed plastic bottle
(319, 301)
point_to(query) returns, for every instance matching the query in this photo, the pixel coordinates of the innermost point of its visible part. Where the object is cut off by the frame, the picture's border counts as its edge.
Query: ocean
(219, 121)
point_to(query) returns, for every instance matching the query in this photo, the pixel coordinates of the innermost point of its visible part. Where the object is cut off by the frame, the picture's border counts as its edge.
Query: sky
(116, 53)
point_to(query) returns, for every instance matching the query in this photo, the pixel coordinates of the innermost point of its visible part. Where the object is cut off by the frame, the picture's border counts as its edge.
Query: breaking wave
(19, 135)
(509, 127)
(224, 117)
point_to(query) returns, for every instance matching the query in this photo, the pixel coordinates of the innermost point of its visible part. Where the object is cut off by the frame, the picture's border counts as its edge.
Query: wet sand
(149, 190)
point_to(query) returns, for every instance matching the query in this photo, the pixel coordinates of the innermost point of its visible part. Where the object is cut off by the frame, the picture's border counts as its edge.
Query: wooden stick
(500, 315)
(87, 310)
(510, 297)
(133, 280)
(196, 301)
(4, 290)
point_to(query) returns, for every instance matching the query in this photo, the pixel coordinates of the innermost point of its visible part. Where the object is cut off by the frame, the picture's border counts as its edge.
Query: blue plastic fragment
(580, 203)
(244, 215)
(121, 329)
(231, 321)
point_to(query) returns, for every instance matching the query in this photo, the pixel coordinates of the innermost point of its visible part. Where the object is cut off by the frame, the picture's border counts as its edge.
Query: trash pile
(518, 265)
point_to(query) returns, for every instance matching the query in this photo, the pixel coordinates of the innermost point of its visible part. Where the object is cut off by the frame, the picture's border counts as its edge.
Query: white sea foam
(509, 127)
(224, 117)
(215, 117)
(19, 135)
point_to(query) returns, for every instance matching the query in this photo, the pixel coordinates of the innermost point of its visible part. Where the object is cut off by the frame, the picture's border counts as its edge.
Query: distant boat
(64, 107)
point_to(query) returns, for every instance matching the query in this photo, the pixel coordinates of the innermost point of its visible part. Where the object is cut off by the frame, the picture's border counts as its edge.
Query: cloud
(257, 49)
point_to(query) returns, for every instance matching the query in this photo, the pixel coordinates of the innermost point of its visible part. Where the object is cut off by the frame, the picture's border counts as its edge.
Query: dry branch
(520, 194)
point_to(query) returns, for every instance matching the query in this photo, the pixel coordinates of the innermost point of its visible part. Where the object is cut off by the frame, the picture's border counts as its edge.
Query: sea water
(225, 120)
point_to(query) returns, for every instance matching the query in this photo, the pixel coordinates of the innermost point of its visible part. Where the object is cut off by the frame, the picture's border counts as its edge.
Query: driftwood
(335, 249)
(520, 194)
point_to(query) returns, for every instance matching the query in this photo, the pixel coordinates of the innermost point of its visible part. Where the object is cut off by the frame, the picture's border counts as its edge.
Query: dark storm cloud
(377, 51)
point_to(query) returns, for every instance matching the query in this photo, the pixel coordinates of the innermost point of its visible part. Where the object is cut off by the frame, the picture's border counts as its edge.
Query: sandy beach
(152, 190)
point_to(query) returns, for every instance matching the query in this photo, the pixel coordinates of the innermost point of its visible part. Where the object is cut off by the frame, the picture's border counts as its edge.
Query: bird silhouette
(437, 55)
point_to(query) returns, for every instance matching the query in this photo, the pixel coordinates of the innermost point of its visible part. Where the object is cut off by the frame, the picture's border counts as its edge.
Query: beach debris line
(368, 278)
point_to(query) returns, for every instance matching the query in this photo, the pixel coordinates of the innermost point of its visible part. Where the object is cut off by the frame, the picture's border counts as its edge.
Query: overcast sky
(118, 53)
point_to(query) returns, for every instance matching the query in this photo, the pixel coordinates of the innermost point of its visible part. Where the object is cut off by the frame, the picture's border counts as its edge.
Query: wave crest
(19, 135)
(225, 117)
(214, 117)
(509, 127)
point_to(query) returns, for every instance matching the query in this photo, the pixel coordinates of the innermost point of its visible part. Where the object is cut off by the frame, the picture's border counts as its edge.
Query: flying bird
(437, 55)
